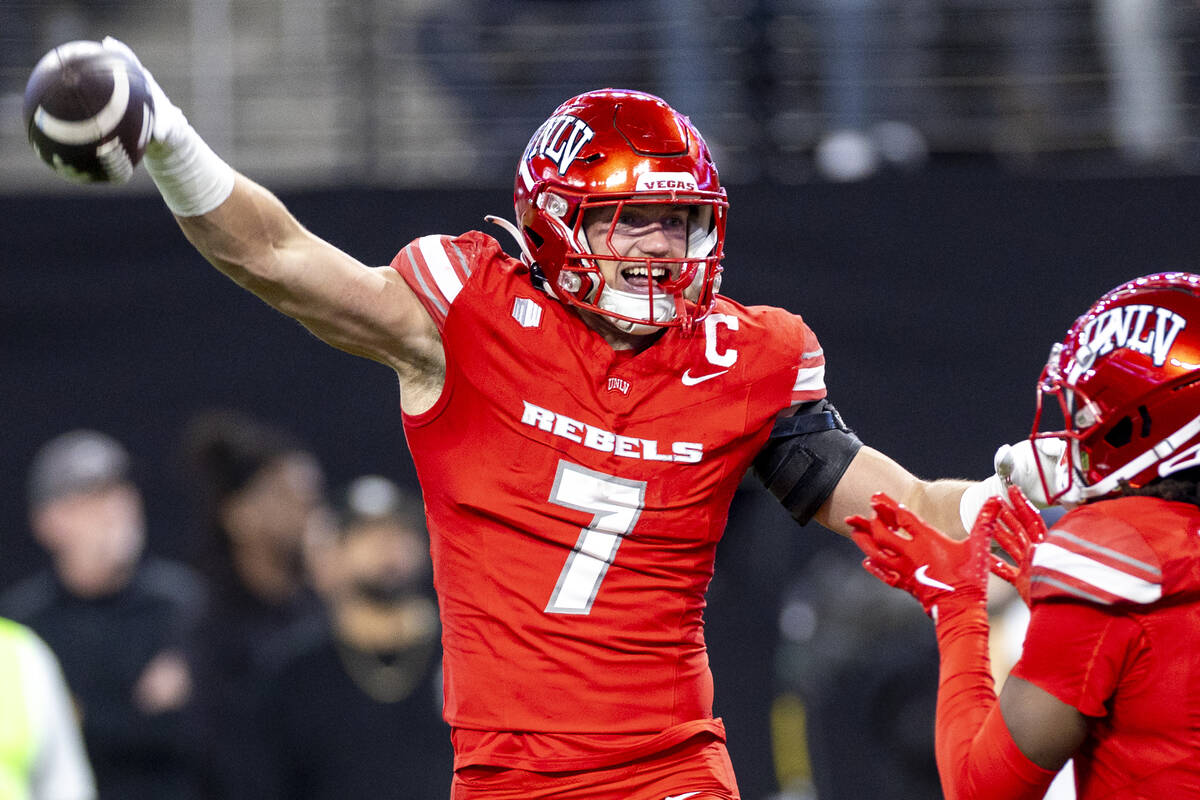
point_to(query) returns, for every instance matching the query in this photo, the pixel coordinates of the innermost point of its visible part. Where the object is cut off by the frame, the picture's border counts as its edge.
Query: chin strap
(512, 231)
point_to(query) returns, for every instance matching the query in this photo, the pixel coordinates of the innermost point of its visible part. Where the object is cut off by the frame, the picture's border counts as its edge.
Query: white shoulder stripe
(1058, 559)
(1115, 555)
(434, 253)
(1068, 588)
(810, 379)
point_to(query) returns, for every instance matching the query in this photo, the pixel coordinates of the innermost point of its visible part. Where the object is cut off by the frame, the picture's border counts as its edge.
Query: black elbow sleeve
(805, 458)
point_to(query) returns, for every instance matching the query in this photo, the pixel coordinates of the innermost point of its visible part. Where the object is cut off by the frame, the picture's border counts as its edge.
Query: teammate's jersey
(575, 494)
(1115, 632)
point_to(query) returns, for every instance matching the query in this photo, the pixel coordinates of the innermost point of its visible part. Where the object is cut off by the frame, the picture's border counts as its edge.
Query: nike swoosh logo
(683, 796)
(691, 380)
(922, 577)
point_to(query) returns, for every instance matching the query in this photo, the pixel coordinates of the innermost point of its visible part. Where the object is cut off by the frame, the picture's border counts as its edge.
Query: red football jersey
(1115, 632)
(575, 494)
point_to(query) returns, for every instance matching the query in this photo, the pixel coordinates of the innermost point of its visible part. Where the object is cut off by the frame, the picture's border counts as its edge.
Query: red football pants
(698, 769)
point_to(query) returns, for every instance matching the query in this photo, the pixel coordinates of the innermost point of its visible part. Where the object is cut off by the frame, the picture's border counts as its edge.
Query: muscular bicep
(1044, 728)
(366, 311)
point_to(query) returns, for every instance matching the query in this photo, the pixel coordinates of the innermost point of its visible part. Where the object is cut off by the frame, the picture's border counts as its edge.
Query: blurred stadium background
(420, 92)
(937, 186)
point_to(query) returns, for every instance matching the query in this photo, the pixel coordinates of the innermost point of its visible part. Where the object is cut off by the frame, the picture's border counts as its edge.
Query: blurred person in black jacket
(261, 492)
(355, 708)
(118, 620)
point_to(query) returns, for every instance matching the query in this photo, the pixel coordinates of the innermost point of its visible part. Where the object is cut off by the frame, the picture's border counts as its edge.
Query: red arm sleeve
(976, 756)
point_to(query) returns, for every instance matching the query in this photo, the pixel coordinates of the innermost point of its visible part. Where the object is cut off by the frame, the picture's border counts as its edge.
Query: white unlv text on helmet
(1126, 326)
(559, 139)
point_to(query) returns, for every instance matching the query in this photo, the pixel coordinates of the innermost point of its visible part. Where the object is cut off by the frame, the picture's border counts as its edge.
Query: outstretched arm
(371, 312)
(818, 469)
(248, 234)
(870, 472)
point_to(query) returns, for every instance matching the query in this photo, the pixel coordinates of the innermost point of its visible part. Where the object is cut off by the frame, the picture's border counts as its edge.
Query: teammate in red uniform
(1110, 671)
(580, 418)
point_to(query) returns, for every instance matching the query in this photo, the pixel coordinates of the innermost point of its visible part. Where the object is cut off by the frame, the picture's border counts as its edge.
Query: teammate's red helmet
(614, 148)
(1127, 378)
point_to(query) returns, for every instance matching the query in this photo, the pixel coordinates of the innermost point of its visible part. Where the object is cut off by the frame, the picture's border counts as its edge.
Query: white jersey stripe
(427, 291)
(1051, 557)
(810, 379)
(434, 253)
(1063, 586)
(1115, 555)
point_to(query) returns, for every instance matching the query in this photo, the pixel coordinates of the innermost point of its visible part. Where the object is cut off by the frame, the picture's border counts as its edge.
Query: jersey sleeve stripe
(810, 379)
(1051, 561)
(409, 264)
(1070, 540)
(1044, 586)
(448, 280)
(412, 267)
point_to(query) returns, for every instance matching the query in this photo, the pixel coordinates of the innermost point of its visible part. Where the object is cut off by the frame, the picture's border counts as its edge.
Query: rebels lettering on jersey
(576, 494)
(606, 441)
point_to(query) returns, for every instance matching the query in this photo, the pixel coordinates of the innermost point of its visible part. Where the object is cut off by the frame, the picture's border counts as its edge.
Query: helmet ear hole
(537, 240)
(1120, 434)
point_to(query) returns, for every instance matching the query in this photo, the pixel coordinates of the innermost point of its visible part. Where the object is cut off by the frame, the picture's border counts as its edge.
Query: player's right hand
(168, 119)
(906, 552)
(1018, 528)
(1017, 465)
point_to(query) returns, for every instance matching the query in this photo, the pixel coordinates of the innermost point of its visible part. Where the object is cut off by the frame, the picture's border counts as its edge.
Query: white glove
(1017, 465)
(169, 121)
(192, 179)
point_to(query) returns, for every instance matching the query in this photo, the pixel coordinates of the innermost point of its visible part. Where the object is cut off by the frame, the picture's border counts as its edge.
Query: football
(88, 113)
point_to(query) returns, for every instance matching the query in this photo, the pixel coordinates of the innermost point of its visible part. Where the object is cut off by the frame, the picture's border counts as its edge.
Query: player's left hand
(1026, 463)
(1018, 528)
(904, 551)
(168, 119)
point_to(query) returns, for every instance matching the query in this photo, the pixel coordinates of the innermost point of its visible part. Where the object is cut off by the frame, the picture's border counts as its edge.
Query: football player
(579, 417)
(1110, 670)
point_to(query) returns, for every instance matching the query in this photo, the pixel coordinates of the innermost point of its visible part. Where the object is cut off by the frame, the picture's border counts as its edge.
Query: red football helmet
(1127, 379)
(618, 149)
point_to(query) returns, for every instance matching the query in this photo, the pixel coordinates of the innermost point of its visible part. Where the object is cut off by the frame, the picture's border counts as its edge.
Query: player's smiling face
(649, 231)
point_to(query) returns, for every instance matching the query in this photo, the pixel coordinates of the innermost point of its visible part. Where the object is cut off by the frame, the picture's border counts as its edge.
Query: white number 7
(617, 504)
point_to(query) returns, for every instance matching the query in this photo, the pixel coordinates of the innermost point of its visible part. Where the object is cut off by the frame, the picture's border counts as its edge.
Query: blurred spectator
(871, 57)
(41, 752)
(1139, 40)
(261, 490)
(863, 665)
(117, 619)
(355, 708)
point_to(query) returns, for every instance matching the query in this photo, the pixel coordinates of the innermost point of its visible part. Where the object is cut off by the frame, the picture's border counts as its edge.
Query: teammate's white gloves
(1017, 465)
(192, 179)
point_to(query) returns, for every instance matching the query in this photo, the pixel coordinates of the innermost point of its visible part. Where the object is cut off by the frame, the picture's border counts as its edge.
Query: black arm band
(805, 458)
